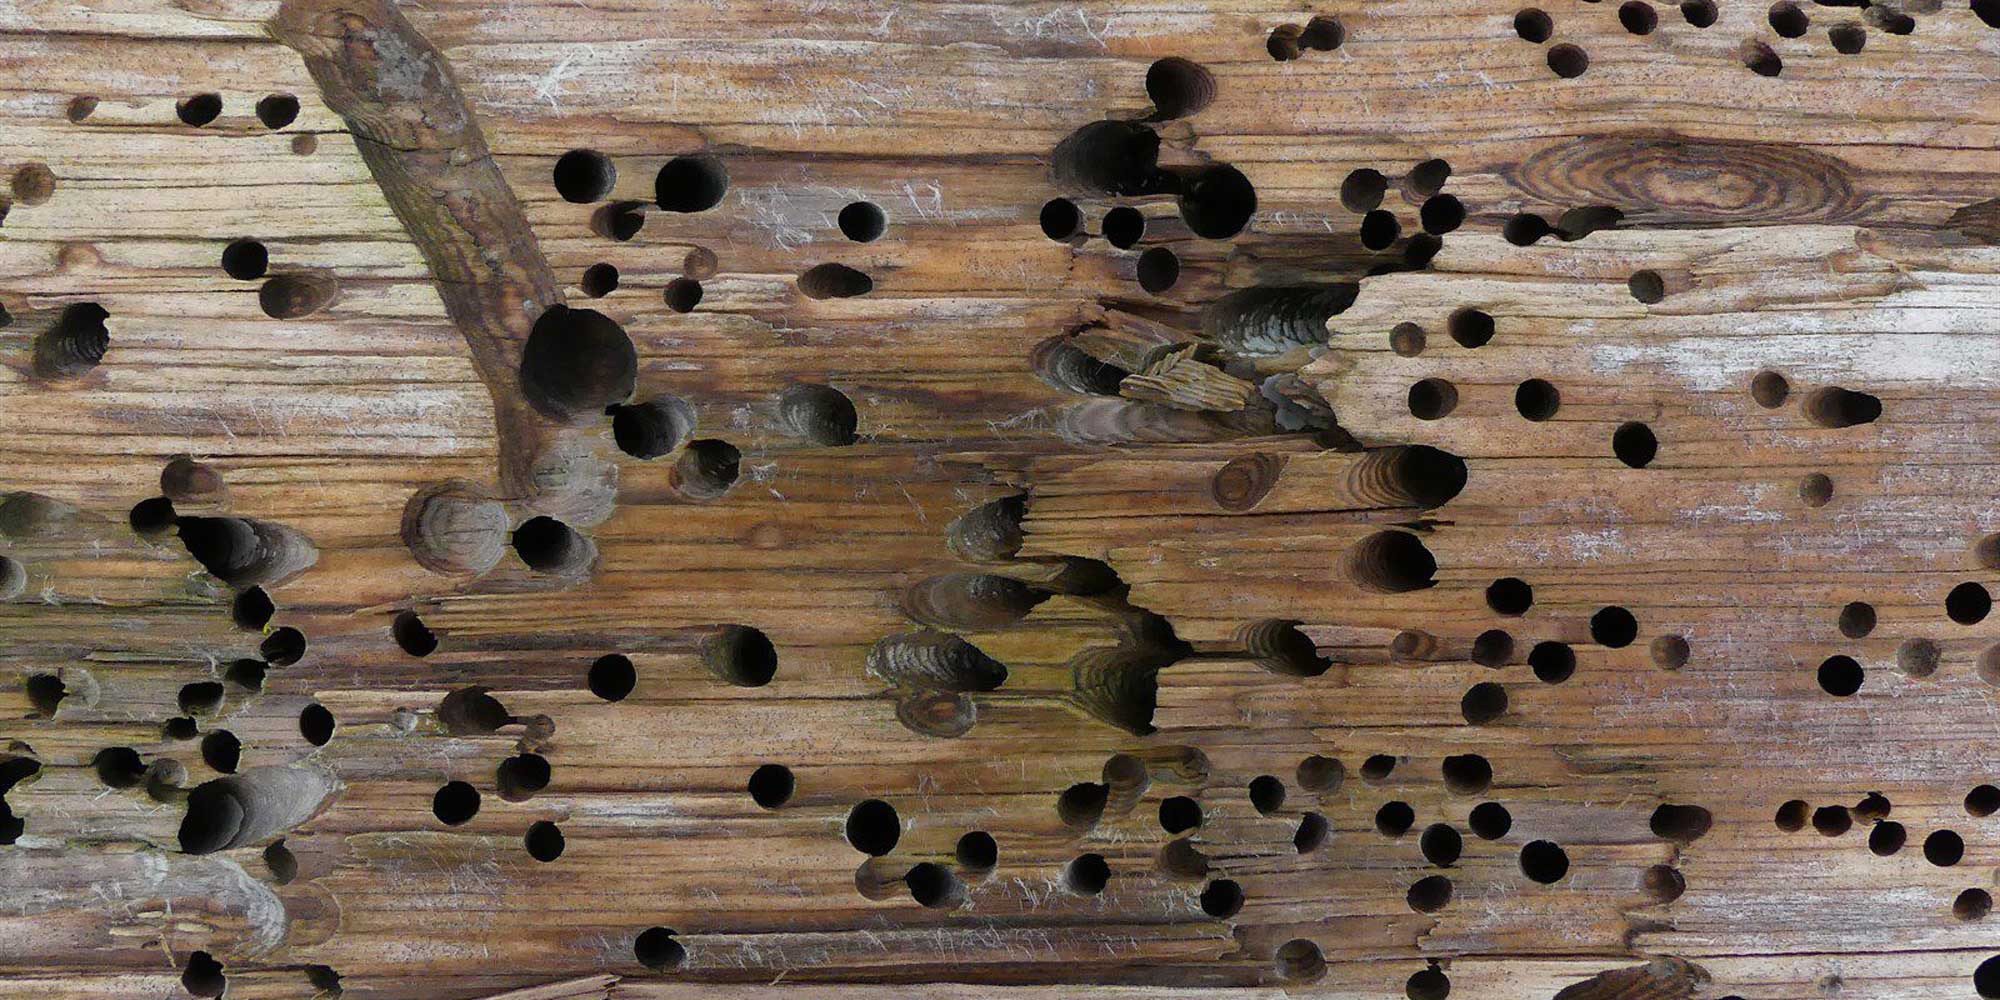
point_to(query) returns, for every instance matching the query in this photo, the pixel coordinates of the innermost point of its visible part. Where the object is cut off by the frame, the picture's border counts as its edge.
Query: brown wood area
(1131, 499)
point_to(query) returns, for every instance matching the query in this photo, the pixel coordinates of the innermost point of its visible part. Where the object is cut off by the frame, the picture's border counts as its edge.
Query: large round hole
(1158, 270)
(1682, 824)
(599, 280)
(1267, 794)
(1700, 13)
(1770, 389)
(612, 677)
(1788, 20)
(741, 655)
(1944, 848)
(1179, 814)
(1483, 702)
(245, 260)
(1493, 648)
(198, 110)
(1124, 226)
(1312, 833)
(977, 852)
(455, 803)
(1534, 25)
(1760, 58)
(1490, 821)
(1635, 445)
(820, 414)
(577, 361)
(1432, 399)
(653, 428)
(1467, 774)
(1832, 821)
(1510, 596)
(316, 724)
(1379, 229)
(771, 785)
(1087, 874)
(1545, 862)
(550, 546)
(1321, 775)
(1553, 662)
(1441, 214)
(1428, 984)
(584, 175)
(519, 777)
(1568, 61)
(1537, 399)
(1222, 898)
(1982, 801)
(1847, 39)
(873, 827)
(1470, 327)
(1968, 603)
(1613, 627)
(1178, 87)
(1430, 894)
(202, 976)
(1840, 676)
(657, 949)
(932, 885)
(221, 751)
(412, 635)
(862, 221)
(1361, 192)
(1301, 961)
(1837, 407)
(1638, 17)
(1060, 219)
(544, 841)
(691, 184)
(1972, 904)
(1394, 819)
(1856, 620)
(1441, 845)
(277, 110)
(1391, 562)
(119, 767)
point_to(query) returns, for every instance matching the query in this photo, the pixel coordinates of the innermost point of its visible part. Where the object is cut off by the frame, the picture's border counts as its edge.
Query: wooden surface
(1097, 535)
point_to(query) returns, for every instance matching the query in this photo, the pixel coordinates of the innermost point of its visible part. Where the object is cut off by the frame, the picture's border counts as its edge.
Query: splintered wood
(850, 499)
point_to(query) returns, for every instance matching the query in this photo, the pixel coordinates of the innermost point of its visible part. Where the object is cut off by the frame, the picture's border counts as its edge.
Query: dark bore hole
(1483, 703)
(1427, 178)
(245, 260)
(1441, 214)
(577, 361)
(45, 694)
(412, 635)
(1857, 619)
(1218, 202)
(682, 295)
(1683, 824)
(1792, 816)
(549, 546)
(1407, 340)
(246, 673)
(1944, 848)
(1982, 801)
(1432, 399)
(1968, 603)
(691, 184)
(1361, 192)
(1647, 286)
(1537, 399)
(656, 949)
(1769, 389)
(1394, 819)
(619, 221)
(742, 656)
(75, 344)
(1430, 894)
(544, 841)
(1392, 562)
(1918, 658)
(862, 221)
(653, 428)
(873, 827)
(599, 280)
(1525, 229)
(1312, 833)
(1470, 327)
(1322, 34)
(202, 976)
(1081, 805)
(1087, 875)
(1988, 12)
(1378, 767)
(199, 110)
(1832, 821)
(277, 110)
(119, 767)
(1267, 794)
(1972, 904)
(1467, 774)
(1060, 219)
(612, 677)
(456, 803)
(1837, 407)
(1553, 662)
(1124, 226)
(1788, 20)
(1613, 627)
(284, 866)
(1301, 961)
(771, 785)
(1283, 45)
(200, 697)
(1534, 25)
(584, 175)
(1638, 17)
(252, 609)
(1222, 898)
(1510, 596)
(1986, 978)
(1179, 814)
(1428, 984)
(1178, 87)
(222, 751)
(977, 852)
(1849, 39)
(1700, 13)
(1441, 844)
(153, 516)
(519, 777)
(1379, 229)
(1545, 862)
(1760, 58)
(931, 884)
(1493, 648)
(1159, 269)
(1321, 775)
(1568, 61)
(316, 724)
(834, 281)
(1490, 821)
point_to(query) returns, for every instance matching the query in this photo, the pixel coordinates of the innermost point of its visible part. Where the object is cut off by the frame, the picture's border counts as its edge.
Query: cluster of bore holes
(274, 111)
(1290, 41)
(1942, 848)
(874, 828)
(1362, 192)
(1157, 269)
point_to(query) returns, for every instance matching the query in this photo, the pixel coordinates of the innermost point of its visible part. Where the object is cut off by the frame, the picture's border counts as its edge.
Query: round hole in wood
(771, 786)
(1429, 894)
(1944, 848)
(1267, 794)
(1972, 904)
(1087, 874)
(1537, 399)
(1544, 861)
(656, 948)
(1816, 490)
(1613, 627)
(245, 260)
(1470, 327)
(1483, 702)
(977, 852)
(1407, 340)
(873, 827)
(455, 804)
(1441, 845)
(1362, 190)
(1770, 389)
(1700, 13)
(1179, 814)
(1312, 833)
(583, 176)
(316, 724)
(1568, 61)
(1857, 619)
(1840, 676)
(1490, 821)
(198, 110)
(1158, 270)
(412, 635)
(862, 221)
(1394, 819)
(1432, 399)
(1553, 662)
(1638, 17)
(1222, 898)
(690, 184)
(1510, 596)
(1300, 961)
(1060, 219)
(1968, 603)
(1379, 229)
(612, 677)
